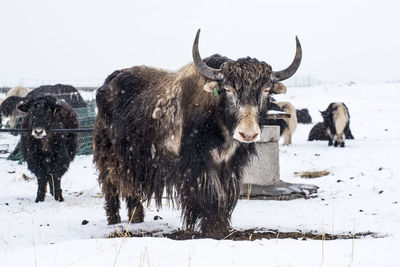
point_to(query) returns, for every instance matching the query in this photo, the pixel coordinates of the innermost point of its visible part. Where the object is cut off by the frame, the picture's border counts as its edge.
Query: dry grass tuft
(314, 174)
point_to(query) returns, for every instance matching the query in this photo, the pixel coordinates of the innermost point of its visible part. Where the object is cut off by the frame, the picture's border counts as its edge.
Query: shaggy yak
(48, 154)
(190, 132)
(64, 92)
(303, 116)
(8, 109)
(287, 126)
(336, 125)
(8, 106)
(67, 93)
(13, 97)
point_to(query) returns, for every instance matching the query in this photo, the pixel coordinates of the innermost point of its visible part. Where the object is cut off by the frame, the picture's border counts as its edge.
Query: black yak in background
(48, 155)
(303, 116)
(67, 93)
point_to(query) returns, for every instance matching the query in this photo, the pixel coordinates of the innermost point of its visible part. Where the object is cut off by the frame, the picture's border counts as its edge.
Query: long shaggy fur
(159, 130)
(49, 158)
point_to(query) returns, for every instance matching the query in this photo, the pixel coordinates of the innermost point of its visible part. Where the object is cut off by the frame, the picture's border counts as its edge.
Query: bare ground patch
(249, 234)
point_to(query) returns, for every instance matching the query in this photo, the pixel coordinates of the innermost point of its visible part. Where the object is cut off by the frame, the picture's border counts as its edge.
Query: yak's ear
(23, 107)
(211, 87)
(279, 88)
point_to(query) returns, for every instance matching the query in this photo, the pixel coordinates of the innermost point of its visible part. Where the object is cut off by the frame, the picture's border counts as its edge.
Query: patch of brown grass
(314, 174)
(249, 234)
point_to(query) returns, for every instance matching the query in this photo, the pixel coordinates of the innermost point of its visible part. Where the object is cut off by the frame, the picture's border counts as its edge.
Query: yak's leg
(135, 209)
(341, 140)
(41, 192)
(215, 222)
(57, 188)
(330, 142)
(347, 132)
(52, 188)
(204, 201)
(290, 138)
(112, 205)
(286, 138)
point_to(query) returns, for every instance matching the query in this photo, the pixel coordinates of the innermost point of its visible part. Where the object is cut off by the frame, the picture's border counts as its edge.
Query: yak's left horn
(277, 76)
(208, 72)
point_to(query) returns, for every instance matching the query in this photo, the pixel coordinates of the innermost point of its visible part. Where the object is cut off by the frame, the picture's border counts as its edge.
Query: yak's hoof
(39, 199)
(215, 234)
(342, 145)
(215, 229)
(58, 196)
(336, 144)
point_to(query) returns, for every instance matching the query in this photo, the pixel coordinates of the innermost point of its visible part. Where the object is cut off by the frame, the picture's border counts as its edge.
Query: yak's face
(41, 112)
(245, 86)
(244, 96)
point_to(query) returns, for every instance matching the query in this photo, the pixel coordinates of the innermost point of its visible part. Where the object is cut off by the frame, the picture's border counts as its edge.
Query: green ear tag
(216, 92)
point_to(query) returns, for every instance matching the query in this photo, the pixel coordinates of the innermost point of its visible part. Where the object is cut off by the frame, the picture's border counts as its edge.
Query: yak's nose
(247, 130)
(38, 132)
(249, 136)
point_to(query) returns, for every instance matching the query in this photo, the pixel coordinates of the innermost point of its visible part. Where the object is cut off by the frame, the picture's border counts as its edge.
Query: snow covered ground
(361, 193)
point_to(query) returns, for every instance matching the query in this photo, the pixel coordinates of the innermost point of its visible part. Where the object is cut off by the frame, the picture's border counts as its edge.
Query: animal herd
(186, 134)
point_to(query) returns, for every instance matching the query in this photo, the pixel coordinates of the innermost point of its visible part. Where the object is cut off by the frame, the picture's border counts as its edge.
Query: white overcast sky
(80, 41)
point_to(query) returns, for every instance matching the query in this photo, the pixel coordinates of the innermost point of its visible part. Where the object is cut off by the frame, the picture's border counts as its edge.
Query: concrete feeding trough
(262, 178)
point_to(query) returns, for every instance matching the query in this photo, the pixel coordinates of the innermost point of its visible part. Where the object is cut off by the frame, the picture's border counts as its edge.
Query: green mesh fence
(86, 119)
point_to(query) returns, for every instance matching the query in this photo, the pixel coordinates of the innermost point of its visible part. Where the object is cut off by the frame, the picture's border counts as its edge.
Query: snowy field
(361, 194)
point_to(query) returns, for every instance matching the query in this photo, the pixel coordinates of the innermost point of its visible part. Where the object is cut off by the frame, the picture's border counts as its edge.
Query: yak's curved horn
(211, 73)
(281, 75)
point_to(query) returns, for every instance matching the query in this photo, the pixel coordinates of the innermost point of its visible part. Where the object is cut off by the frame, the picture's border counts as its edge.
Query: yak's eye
(266, 90)
(228, 89)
